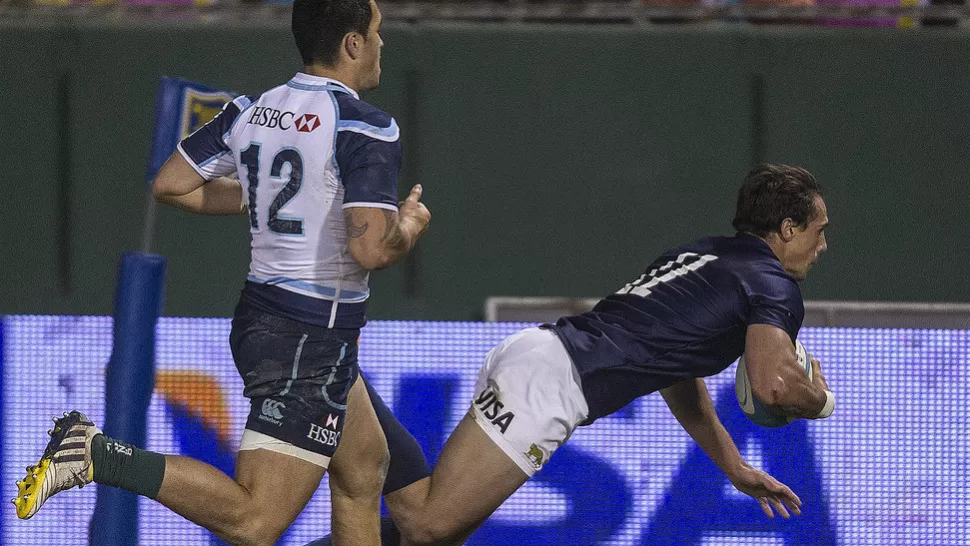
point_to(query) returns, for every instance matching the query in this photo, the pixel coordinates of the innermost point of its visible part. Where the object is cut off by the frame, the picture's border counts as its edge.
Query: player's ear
(787, 230)
(353, 45)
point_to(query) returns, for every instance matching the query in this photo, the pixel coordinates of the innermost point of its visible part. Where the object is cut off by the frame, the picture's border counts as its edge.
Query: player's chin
(803, 274)
(375, 80)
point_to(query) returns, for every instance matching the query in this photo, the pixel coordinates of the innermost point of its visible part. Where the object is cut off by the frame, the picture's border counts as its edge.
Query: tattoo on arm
(390, 223)
(393, 236)
(353, 230)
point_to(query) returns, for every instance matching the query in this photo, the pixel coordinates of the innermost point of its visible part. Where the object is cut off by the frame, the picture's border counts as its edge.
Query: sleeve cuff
(370, 205)
(188, 160)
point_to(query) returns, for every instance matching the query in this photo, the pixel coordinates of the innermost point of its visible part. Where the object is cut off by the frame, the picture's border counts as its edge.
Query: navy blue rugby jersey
(686, 316)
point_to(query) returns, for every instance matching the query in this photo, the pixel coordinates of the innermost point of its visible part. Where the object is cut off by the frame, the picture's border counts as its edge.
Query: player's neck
(778, 247)
(776, 244)
(342, 76)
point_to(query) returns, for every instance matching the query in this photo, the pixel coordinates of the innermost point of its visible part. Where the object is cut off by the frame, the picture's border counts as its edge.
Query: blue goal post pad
(129, 382)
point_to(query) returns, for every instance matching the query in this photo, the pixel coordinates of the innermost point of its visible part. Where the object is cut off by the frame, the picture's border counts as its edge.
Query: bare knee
(356, 498)
(253, 526)
(365, 478)
(428, 531)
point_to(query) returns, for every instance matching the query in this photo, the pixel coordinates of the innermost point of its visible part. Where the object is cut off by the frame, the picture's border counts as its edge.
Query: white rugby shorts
(528, 397)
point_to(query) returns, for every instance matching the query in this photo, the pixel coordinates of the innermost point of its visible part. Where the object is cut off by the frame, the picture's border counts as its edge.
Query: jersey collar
(308, 82)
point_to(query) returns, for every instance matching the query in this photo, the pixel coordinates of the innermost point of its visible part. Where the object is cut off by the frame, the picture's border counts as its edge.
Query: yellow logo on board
(199, 108)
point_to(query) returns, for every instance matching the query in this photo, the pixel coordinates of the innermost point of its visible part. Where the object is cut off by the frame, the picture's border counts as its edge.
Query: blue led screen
(889, 468)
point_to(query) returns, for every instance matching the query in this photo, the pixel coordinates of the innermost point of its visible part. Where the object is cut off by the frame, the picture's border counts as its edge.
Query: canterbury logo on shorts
(272, 411)
(487, 403)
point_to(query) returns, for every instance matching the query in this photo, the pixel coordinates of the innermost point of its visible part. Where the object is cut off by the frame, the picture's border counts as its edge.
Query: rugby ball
(752, 407)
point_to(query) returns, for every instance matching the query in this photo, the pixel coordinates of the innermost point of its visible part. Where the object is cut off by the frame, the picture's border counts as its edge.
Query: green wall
(556, 160)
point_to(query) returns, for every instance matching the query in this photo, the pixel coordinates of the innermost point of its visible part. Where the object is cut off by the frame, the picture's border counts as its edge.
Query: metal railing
(845, 314)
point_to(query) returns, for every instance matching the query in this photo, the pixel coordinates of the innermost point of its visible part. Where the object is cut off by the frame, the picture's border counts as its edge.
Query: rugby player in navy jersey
(317, 172)
(691, 314)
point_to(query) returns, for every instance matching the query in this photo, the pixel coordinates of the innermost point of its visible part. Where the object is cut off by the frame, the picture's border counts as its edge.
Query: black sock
(408, 463)
(390, 536)
(121, 465)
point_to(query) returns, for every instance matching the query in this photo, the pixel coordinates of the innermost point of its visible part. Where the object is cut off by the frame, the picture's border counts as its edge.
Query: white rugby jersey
(303, 152)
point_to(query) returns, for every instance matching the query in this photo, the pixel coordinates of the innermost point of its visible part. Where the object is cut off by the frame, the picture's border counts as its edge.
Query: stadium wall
(557, 160)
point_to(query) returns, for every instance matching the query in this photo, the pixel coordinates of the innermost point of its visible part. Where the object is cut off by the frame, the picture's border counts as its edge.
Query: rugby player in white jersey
(317, 171)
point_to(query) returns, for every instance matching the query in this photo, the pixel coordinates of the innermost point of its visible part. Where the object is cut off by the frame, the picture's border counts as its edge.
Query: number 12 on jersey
(286, 156)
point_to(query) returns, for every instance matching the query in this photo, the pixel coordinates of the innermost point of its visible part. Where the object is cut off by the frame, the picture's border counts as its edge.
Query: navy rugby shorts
(297, 377)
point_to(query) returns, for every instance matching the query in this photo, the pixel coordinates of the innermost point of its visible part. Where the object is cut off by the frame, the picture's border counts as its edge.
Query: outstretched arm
(691, 404)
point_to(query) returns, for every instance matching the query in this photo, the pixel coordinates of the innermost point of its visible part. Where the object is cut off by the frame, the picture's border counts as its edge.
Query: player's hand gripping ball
(752, 407)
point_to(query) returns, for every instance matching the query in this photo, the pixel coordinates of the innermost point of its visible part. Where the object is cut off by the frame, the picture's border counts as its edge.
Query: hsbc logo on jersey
(307, 123)
(272, 118)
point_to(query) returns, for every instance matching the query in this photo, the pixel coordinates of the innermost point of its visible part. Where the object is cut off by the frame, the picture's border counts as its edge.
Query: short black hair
(771, 193)
(319, 27)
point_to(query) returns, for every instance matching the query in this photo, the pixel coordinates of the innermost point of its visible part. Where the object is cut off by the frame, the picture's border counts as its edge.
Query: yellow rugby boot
(66, 463)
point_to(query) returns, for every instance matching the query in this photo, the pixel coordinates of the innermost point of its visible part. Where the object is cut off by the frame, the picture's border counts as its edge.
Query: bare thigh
(261, 472)
(471, 479)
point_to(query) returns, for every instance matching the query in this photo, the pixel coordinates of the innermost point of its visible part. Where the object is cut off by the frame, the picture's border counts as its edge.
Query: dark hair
(319, 27)
(771, 193)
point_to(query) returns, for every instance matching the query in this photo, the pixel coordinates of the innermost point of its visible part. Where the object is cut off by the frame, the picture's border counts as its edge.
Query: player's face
(807, 243)
(371, 76)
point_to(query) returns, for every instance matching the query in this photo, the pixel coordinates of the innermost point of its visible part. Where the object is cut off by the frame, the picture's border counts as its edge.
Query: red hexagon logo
(307, 123)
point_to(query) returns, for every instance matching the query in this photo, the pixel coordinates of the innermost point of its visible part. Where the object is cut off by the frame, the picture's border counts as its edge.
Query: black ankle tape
(122, 465)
